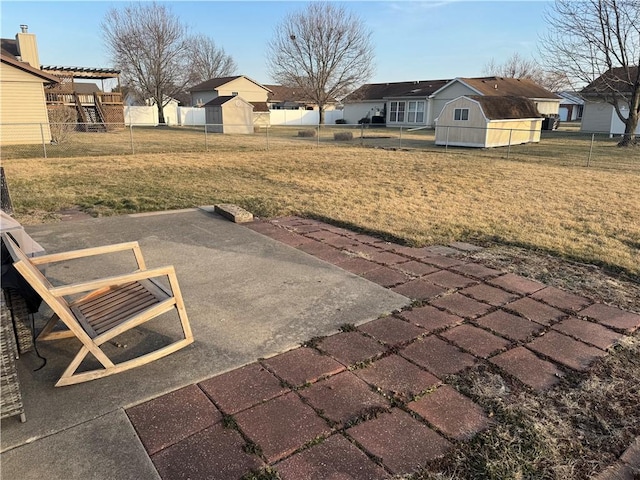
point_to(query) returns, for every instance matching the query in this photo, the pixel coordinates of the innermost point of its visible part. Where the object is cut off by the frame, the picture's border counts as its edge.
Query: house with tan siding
(237, 86)
(23, 110)
(32, 93)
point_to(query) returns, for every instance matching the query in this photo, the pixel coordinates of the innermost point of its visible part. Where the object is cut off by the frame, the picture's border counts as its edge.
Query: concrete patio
(247, 297)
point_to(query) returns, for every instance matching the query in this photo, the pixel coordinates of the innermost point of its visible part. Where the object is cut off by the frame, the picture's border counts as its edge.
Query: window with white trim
(461, 114)
(409, 112)
(415, 112)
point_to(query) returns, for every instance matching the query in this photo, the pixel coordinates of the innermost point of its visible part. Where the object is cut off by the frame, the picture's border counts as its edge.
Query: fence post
(44, 144)
(509, 147)
(362, 134)
(318, 137)
(267, 138)
(400, 140)
(206, 139)
(131, 136)
(590, 149)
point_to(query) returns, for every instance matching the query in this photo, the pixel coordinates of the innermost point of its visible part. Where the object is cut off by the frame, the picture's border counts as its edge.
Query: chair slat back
(38, 281)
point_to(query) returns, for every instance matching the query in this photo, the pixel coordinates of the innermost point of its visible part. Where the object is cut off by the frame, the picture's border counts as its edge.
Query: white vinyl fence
(148, 115)
(303, 117)
(196, 116)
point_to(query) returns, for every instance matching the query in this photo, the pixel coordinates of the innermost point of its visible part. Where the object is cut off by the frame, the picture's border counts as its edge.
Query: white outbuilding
(485, 121)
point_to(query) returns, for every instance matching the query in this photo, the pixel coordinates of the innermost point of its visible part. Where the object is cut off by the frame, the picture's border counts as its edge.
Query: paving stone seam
(236, 427)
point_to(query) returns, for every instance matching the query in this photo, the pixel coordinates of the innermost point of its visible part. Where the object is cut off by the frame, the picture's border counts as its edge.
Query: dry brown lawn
(589, 215)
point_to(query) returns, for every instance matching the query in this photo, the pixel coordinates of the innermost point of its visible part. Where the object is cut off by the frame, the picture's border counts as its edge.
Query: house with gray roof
(613, 87)
(419, 103)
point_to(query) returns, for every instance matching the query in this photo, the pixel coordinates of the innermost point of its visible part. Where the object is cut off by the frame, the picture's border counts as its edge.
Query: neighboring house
(23, 102)
(93, 107)
(598, 114)
(375, 101)
(571, 107)
(488, 121)
(291, 98)
(240, 86)
(229, 114)
(415, 104)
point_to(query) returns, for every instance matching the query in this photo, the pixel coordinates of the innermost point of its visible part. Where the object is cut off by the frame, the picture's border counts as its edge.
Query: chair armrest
(113, 281)
(88, 252)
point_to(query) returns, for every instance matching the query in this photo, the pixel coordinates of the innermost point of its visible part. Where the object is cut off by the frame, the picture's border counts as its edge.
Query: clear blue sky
(413, 40)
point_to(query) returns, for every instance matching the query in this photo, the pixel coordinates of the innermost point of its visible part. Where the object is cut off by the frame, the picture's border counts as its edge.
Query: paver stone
(212, 454)
(491, 295)
(335, 458)
(302, 365)
(350, 348)
(612, 317)
(517, 284)
(391, 330)
(167, 419)
(449, 279)
(430, 318)
(344, 398)
(589, 332)
(281, 426)
(510, 326)
(437, 356)
(535, 311)
(400, 441)
(565, 350)
(461, 305)
(242, 388)
(528, 368)
(452, 413)
(419, 289)
(396, 376)
(476, 270)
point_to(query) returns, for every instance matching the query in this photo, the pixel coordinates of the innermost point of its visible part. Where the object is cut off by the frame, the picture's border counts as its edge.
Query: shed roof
(502, 86)
(218, 101)
(507, 107)
(260, 106)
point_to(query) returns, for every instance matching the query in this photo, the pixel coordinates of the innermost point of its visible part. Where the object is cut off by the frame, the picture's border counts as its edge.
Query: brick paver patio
(373, 402)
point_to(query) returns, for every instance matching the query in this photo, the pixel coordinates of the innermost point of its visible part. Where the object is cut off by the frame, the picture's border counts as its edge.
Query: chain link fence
(561, 147)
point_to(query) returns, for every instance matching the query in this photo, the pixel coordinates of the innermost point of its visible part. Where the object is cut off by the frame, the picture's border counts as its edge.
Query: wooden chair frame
(138, 291)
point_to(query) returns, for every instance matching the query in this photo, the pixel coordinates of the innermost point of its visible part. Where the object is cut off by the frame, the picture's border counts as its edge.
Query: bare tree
(324, 51)
(208, 60)
(149, 44)
(516, 66)
(597, 42)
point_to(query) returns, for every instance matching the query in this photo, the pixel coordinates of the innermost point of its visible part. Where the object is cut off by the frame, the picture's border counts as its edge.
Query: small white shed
(229, 114)
(483, 121)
